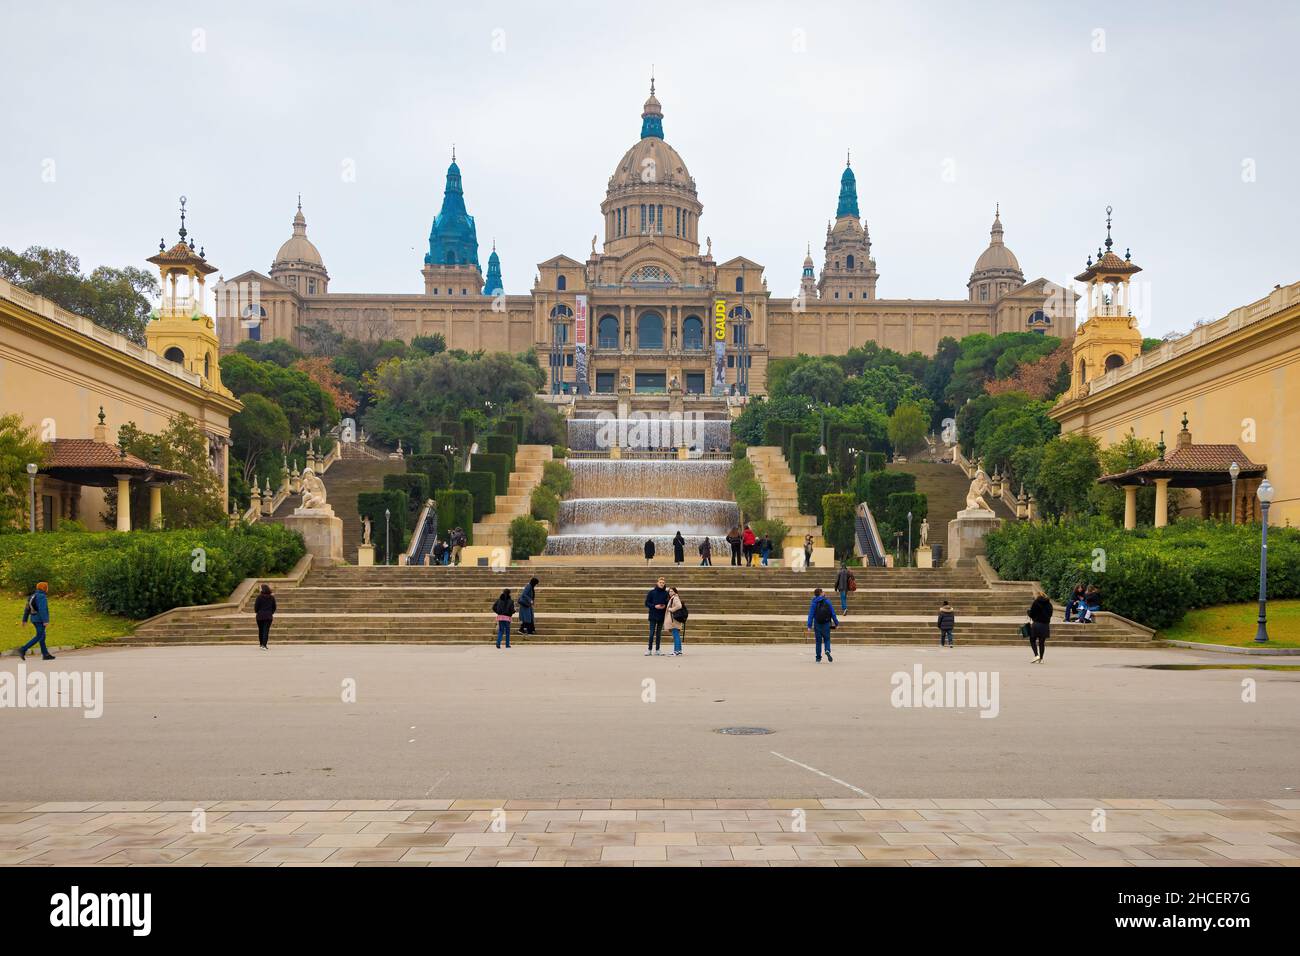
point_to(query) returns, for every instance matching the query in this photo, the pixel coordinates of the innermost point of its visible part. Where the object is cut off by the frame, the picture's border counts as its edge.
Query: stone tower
(997, 271)
(848, 272)
(451, 266)
(1109, 337)
(298, 264)
(493, 285)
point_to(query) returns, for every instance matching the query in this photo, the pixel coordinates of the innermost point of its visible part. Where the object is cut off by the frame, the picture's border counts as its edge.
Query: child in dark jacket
(946, 622)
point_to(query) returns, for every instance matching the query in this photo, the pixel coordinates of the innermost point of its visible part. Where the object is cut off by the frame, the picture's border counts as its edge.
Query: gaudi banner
(580, 344)
(720, 347)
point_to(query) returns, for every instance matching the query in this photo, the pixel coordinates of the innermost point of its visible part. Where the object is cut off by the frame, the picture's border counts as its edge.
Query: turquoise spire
(848, 193)
(453, 240)
(493, 285)
(652, 115)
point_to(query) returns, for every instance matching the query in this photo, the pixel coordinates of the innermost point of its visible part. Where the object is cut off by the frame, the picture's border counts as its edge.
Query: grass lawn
(74, 622)
(1235, 624)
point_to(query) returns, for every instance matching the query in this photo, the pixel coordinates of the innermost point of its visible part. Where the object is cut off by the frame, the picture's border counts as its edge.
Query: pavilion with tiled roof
(1203, 467)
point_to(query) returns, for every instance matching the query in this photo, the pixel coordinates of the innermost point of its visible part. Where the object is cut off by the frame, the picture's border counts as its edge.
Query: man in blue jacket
(656, 600)
(38, 612)
(821, 618)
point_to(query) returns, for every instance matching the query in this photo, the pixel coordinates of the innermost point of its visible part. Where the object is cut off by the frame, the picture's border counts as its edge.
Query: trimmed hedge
(482, 485)
(837, 523)
(812, 488)
(845, 463)
(502, 445)
(1149, 575)
(454, 431)
(544, 505)
(156, 571)
(455, 510)
(875, 487)
(557, 477)
(415, 485)
(894, 516)
(876, 460)
(776, 432)
(796, 445)
(527, 537)
(498, 465)
(433, 467)
(374, 504)
(811, 463)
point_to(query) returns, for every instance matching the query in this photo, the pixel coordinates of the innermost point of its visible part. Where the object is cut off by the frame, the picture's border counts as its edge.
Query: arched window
(1083, 370)
(607, 332)
(561, 311)
(739, 318)
(174, 354)
(693, 333)
(849, 262)
(1114, 361)
(207, 364)
(560, 283)
(650, 331)
(740, 283)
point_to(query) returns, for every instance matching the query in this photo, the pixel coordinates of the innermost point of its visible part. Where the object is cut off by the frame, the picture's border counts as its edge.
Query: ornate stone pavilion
(649, 290)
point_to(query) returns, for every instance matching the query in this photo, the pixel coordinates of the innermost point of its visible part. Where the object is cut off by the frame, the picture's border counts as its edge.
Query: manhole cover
(743, 731)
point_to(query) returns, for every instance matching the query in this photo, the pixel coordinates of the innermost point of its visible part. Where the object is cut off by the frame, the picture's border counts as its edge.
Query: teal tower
(493, 284)
(848, 193)
(652, 116)
(452, 240)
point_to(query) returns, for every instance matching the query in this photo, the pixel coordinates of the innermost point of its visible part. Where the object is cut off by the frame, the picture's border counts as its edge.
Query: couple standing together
(664, 602)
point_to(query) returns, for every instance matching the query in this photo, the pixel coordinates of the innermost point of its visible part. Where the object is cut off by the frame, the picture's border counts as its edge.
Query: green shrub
(796, 445)
(559, 451)
(812, 488)
(415, 485)
(482, 485)
(774, 528)
(502, 445)
(373, 504)
(557, 477)
(845, 463)
(811, 463)
(544, 505)
(775, 432)
(739, 449)
(455, 510)
(875, 487)
(740, 473)
(453, 430)
(497, 464)
(433, 467)
(437, 443)
(752, 501)
(893, 517)
(28, 570)
(837, 523)
(527, 537)
(876, 461)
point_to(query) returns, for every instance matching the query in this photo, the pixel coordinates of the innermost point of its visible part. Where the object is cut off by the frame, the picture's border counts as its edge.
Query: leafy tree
(319, 370)
(429, 344)
(259, 430)
(1125, 455)
(305, 403)
(1067, 472)
(19, 446)
(907, 427)
(182, 446)
(279, 351)
(819, 380)
(115, 299)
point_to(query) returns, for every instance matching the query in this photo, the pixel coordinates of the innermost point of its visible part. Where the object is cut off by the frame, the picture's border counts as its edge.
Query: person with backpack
(37, 611)
(504, 609)
(821, 619)
(656, 602)
(946, 622)
(527, 600)
(263, 612)
(844, 583)
(677, 614)
(1040, 617)
(765, 549)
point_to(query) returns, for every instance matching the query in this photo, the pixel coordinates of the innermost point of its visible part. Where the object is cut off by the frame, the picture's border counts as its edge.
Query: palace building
(646, 302)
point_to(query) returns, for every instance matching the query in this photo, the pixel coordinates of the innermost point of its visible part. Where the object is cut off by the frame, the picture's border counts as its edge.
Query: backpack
(853, 582)
(31, 604)
(681, 614)
(822, 614)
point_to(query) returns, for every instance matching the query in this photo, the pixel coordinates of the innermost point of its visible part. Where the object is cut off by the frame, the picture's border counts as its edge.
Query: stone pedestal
(624, 401)
(924, 557)
(676, 405)
(966, 534)
(323, 533)
(366, 556)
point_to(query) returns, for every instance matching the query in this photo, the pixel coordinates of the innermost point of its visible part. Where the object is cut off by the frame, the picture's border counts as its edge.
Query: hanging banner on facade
(720, 347)
(580, 344)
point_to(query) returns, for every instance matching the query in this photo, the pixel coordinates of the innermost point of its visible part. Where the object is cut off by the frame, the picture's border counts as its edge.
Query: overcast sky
(1180, 115)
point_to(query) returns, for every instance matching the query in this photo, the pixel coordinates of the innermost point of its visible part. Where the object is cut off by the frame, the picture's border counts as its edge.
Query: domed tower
(651, 196)
(451, 266)
(1109, 338)
(298, 264)
(493, 285)
(848, 271)
(808, 281)
(997, 271)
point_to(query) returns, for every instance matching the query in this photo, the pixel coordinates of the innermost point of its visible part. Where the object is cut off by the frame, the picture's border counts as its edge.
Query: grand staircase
(494, 529)
(783, 495)
(576, 605)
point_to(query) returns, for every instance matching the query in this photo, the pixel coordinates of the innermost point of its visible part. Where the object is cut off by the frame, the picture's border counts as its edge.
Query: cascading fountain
(645, 432)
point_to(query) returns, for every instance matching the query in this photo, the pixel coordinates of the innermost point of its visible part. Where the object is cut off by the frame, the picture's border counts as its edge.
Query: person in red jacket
(747, 541)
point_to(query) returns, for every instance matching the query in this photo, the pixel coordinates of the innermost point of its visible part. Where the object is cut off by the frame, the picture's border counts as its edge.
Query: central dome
(652, 160)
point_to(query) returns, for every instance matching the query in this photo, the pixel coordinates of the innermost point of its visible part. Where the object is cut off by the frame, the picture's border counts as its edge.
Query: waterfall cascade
(649, 432)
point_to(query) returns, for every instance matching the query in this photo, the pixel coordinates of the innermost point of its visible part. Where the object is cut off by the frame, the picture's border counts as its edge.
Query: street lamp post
(388, 551)
(31, 481)
(1265, 493)
(1233, 472)
(909, 539)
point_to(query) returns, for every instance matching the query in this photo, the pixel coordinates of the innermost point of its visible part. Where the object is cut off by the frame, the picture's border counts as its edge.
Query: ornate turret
(493, 285)
(652, 115)
(451, 266)
(997, 271)
(808, 280)
(298, 264)
(848, 271)
(1109, 337)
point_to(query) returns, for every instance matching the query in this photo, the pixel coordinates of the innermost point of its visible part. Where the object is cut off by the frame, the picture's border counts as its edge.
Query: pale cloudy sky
(1180, 115)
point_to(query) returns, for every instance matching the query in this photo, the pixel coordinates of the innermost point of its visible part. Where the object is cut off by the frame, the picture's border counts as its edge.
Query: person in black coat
(679, 548)
(649, 550)
(504, 609)
(264, 611)
(1040, 616)
(656, 603)
(527, 600)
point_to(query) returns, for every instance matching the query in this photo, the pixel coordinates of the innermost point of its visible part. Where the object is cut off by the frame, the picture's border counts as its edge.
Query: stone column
(1162, 502)
(155, 506)
(1130, 507)
(123, 502)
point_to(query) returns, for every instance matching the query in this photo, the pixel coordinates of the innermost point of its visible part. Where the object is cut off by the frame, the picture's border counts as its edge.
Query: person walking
(734, 539)
(649, 550)
(844, 583)
(677, 614)
(656, 602)
(37, 611)
(747, 541)
(263, 612)
(527, 601)
(1040, 616)
(706, 553)
(807, 550)
(439, 551)
(679, 548)
(946, 622)
(504, 609)
(765, 549)
(458, 540)
(821, 619)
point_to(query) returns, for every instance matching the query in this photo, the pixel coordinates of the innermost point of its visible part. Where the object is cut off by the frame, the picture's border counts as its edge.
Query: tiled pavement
(604, 832)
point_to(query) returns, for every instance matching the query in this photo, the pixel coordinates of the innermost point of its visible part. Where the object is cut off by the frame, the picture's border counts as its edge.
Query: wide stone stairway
(586, 605)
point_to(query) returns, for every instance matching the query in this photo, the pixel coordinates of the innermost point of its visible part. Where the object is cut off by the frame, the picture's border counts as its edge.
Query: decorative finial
(494, 244)
(652, 79)
(1161, 447)
(162, 245)
(1127, 255)
(997, 210)
(1184, 421)
(848, 157)
(101, 414)
(300, 202)
(202, 254)
(1109, 242)
(183, 232)
(453, 152)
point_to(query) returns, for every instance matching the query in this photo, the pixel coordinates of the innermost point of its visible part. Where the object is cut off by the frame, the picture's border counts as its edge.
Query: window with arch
(559, 322)
(1083, 370)
(607, 332)
(849, 262)
(1114, 361)
(561, 283)
(650, 274)
(693, 333)
(174, 354)
(650, 331)
(739, 320)
(207, 364)
(740, 283)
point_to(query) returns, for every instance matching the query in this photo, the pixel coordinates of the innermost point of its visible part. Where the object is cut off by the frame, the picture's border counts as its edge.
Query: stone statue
(925, 531)
(313, 493)
(625, 382)
(593, 247)
(979, 487)
(709, 241)
(365, 530)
